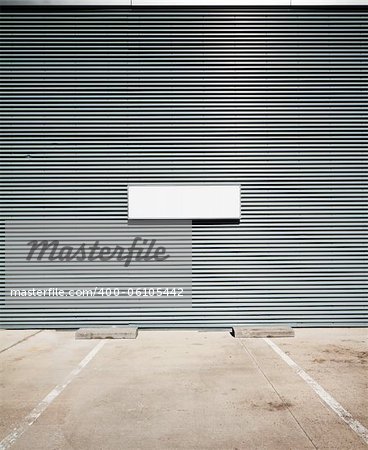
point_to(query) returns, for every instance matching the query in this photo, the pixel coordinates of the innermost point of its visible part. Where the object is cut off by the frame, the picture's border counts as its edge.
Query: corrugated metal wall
(273, 99)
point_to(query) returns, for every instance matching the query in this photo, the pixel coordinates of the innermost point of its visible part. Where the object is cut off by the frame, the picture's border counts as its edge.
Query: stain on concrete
(272, 406)
(319, 360)
(278, 406)
(341, 354)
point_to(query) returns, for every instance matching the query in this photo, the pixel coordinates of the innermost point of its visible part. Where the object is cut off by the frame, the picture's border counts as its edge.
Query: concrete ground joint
(20, 341)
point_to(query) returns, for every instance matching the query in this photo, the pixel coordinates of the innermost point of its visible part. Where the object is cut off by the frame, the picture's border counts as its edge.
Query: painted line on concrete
(20, 341)
(46, 402)
(333, 404)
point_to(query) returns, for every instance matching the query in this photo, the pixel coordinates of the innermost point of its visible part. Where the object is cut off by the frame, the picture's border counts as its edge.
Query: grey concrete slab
(262, 332)
(323, 427)
(166, 390)
(169, 390)
(29, 370)
(107, 333)
(337, 358)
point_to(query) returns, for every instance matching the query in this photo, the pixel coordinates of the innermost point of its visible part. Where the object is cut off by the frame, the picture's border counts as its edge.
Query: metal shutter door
(271, 98)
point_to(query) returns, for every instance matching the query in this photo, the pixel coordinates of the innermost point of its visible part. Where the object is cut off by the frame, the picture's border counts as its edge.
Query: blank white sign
(183, 202)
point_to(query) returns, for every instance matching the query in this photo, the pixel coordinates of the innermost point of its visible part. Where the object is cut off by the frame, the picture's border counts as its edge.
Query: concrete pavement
(185, 390)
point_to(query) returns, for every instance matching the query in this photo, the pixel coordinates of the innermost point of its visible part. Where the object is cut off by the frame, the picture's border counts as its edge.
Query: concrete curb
(262, 332)
(107, 333)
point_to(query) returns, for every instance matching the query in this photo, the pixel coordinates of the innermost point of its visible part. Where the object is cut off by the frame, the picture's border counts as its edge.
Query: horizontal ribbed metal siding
(271, 98)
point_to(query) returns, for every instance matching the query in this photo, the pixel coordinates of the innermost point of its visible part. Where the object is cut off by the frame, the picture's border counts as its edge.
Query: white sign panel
(183, 202)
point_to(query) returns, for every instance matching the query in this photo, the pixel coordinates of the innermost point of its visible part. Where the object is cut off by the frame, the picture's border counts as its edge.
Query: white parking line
(355, 425)
(45, 403)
